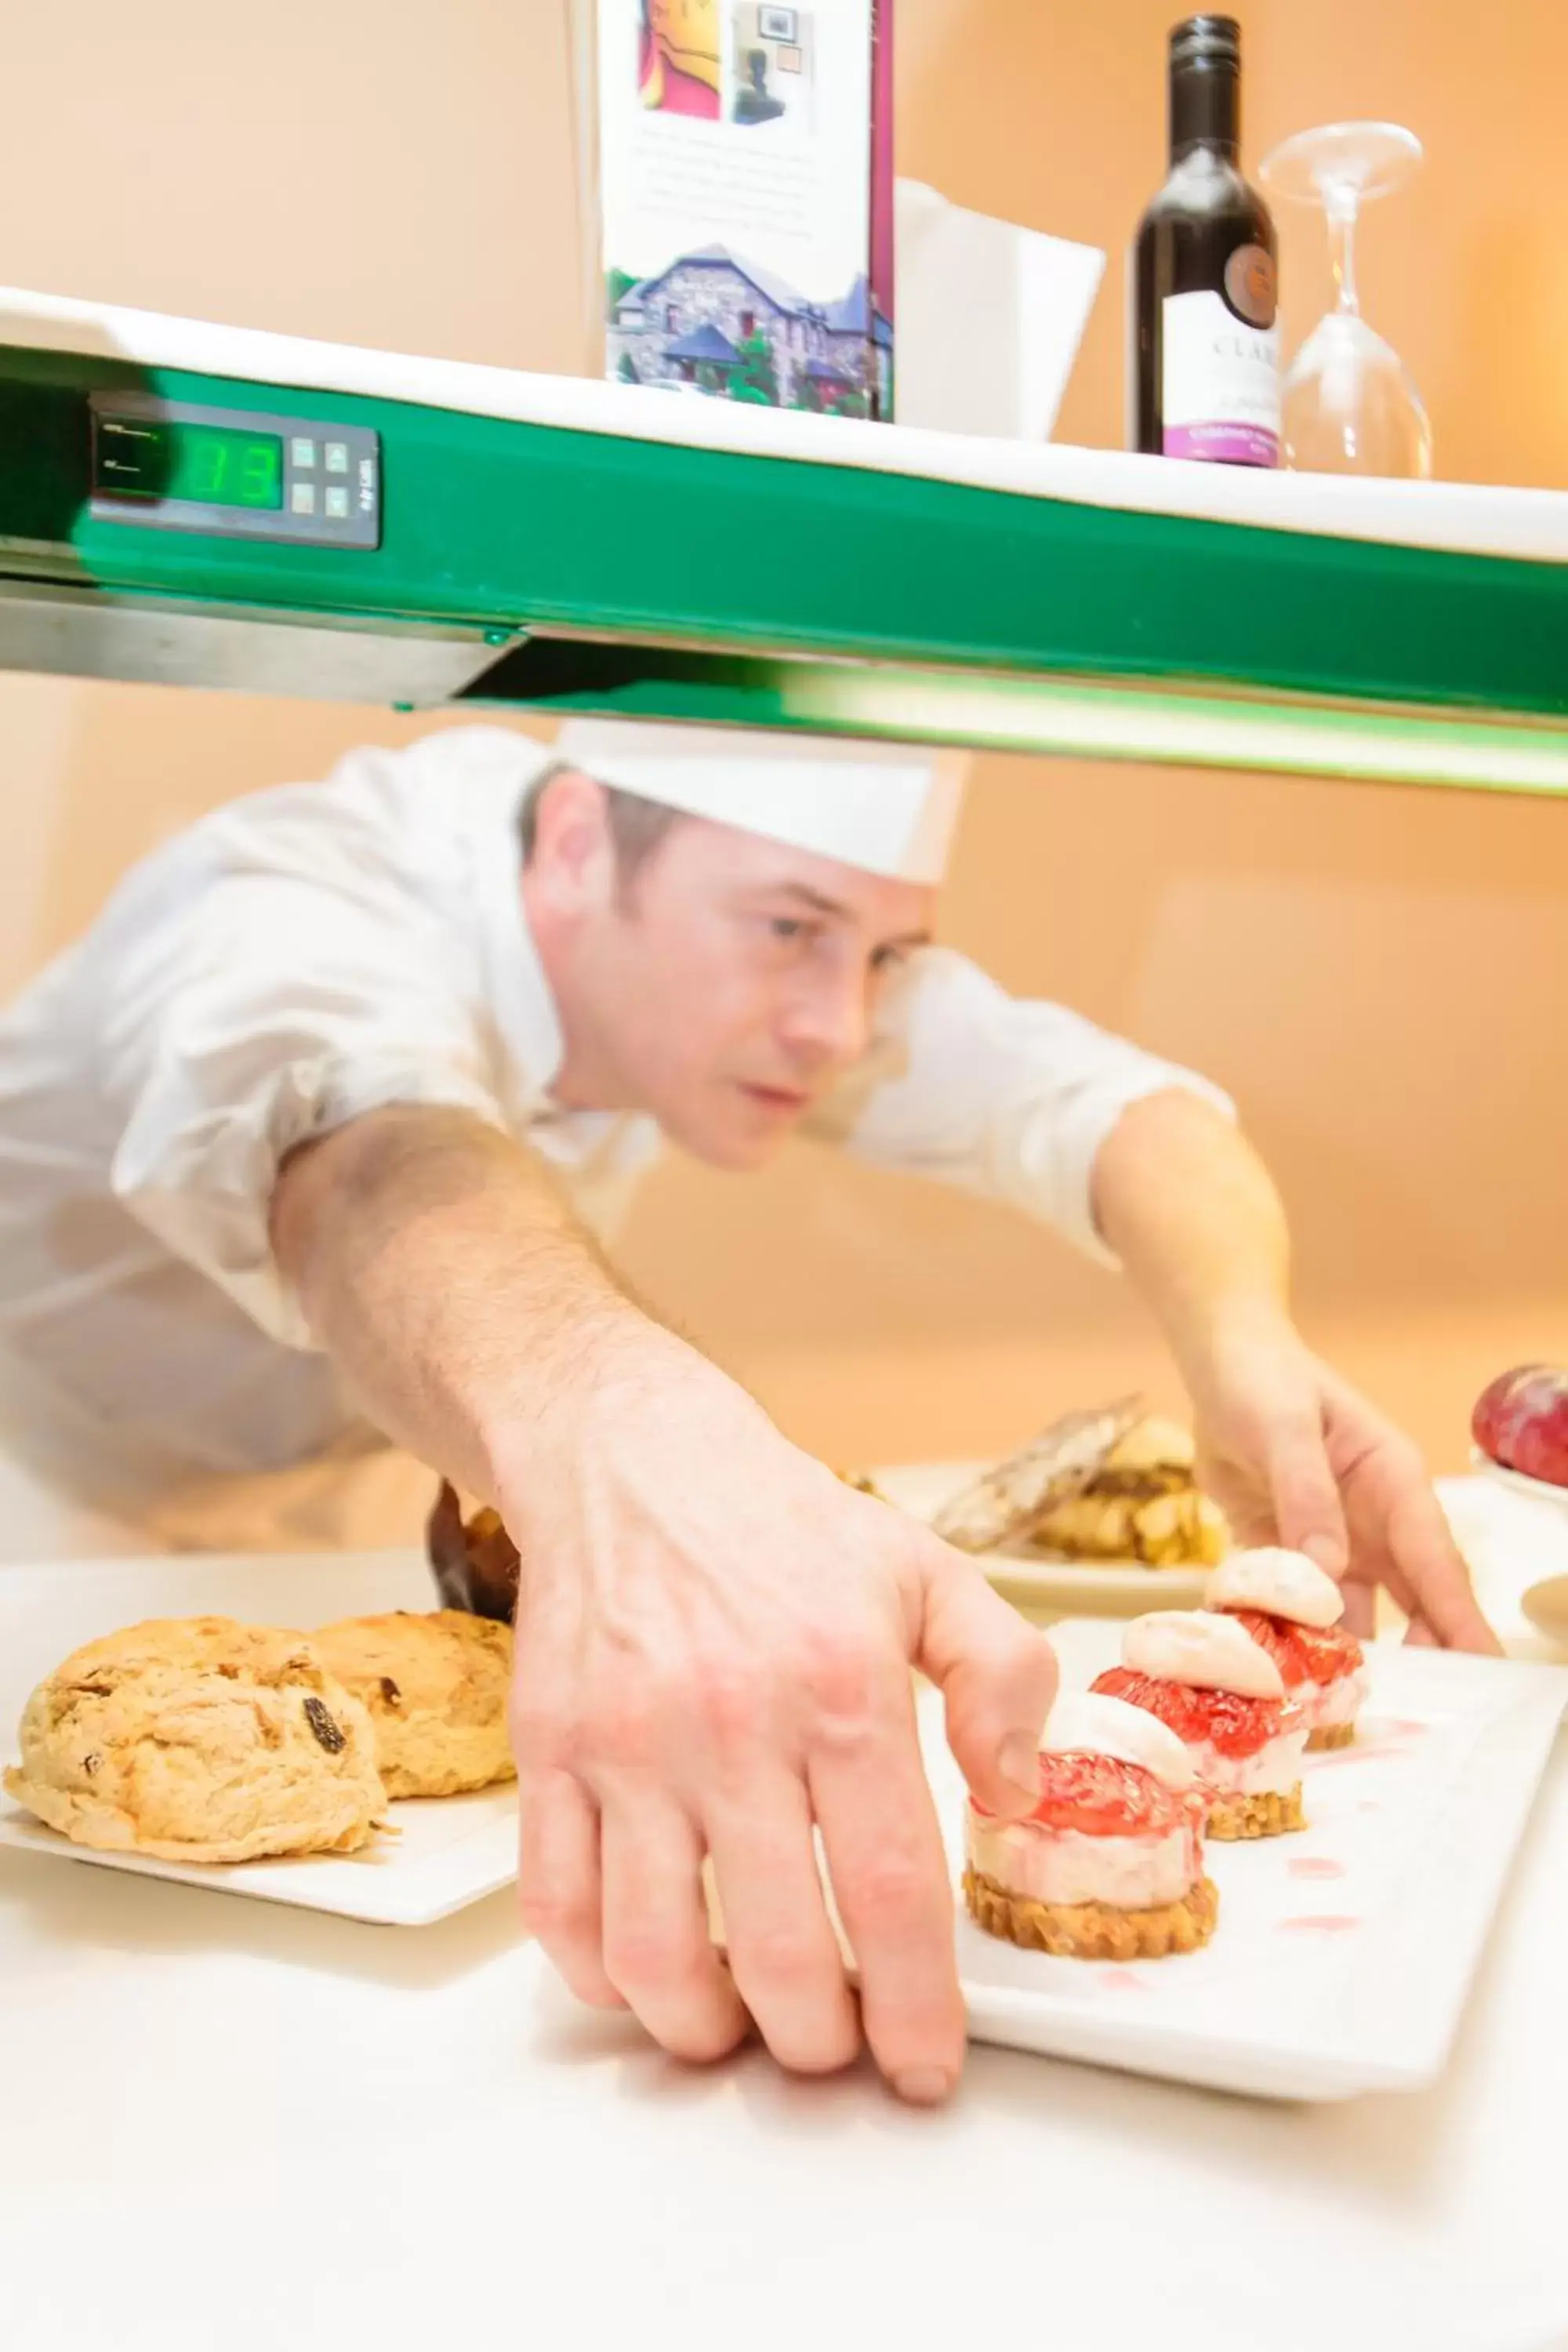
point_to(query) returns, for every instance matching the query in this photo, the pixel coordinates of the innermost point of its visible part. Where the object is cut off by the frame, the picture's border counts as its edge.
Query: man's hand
(1295, 1456)
(1292, 1453)
(714, 1634)
(714, 1638)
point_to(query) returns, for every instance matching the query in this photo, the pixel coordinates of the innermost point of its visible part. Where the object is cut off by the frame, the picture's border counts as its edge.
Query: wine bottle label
(1220, 395)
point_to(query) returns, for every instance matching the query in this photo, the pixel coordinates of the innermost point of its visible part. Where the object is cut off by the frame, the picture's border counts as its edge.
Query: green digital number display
(198, 465)
(214, 466)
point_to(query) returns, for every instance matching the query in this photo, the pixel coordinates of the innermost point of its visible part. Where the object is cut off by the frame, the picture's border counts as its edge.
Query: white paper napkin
(989, 318)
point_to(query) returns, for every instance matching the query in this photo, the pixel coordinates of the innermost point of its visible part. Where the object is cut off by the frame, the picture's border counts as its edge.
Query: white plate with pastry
(423, 1859)
(1343, 1953)
(1035, 1581)
(1319, 1964)
(1100, 1511)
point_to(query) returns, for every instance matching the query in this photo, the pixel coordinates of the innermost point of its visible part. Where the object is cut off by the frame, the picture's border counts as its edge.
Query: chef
(310, 1156)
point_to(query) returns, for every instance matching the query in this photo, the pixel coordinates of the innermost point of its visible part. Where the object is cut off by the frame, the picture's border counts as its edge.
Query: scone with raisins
(435, 1688)
(199, 1739)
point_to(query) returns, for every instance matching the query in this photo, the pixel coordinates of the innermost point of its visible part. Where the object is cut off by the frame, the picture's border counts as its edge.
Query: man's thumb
(997, 1676)
(1307, 1511)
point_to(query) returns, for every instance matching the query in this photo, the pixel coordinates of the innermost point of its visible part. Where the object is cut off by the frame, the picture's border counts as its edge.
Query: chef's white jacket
(304, 956)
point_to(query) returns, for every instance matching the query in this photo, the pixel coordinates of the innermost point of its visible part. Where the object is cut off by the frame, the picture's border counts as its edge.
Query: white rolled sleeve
(275, 1010)
(1000, 1096)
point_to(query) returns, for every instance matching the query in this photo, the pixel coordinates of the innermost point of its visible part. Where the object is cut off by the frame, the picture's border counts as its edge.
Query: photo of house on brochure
(745, 156)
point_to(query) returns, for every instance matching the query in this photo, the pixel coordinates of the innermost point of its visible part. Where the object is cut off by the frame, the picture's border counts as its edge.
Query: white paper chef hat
(888, 808)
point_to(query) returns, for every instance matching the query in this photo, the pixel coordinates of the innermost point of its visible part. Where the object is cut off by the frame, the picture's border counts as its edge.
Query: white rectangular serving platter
(1343, 1954)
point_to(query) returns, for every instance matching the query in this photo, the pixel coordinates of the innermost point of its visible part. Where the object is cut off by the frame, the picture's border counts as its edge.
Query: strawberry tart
(1293, 1610)
(1109, 1866)
(1205, 1679)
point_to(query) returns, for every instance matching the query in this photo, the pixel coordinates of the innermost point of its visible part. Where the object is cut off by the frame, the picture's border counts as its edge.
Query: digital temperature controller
(233, 473)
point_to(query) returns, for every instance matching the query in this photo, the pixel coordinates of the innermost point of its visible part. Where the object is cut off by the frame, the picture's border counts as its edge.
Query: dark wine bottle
(1203, 342)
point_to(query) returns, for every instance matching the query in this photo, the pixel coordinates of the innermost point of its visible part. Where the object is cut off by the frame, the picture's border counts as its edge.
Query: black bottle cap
(1212, 42)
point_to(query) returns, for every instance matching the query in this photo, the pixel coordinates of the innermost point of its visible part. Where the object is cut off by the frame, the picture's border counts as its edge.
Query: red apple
(1521, 1420)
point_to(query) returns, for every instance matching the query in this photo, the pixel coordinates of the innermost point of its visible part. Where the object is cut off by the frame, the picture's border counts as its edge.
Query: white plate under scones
(434, 1856)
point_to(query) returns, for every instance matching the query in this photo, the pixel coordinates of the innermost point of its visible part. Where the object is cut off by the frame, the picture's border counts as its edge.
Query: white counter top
(227, 2124)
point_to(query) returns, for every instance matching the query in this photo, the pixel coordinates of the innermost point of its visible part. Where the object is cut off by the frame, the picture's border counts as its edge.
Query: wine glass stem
(1342, 210)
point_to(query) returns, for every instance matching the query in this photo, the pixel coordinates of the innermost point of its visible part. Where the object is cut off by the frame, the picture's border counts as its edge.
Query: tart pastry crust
(1267, 1814)
(1093, 1931)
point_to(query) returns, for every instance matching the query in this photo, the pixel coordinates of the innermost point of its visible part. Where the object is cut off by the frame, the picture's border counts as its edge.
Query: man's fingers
(1430, 1563)
(1307, 1511)
(890, 1877)
(1361, 1611)
(658, 1953)
(997, 1676)
(784, 1954)
(558, 1880)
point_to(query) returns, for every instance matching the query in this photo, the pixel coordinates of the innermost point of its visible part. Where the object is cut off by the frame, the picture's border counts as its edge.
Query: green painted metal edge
(822, 596)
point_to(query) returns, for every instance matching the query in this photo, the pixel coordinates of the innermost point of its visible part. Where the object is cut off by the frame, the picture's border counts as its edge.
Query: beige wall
(1381, 977)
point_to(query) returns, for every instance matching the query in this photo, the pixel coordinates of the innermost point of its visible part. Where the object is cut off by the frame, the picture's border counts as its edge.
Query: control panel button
(337, 457)
(302, 498)
(301, 452)
(337, 503)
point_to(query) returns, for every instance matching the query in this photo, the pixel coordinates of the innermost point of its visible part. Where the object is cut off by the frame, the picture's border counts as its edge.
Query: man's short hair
(637, 825)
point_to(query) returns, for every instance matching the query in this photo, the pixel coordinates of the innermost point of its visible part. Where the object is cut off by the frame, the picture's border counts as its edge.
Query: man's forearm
(1193, 1215)
(437, 1263)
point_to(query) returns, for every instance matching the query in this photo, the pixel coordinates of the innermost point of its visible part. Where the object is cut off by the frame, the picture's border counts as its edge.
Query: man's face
(723, 986)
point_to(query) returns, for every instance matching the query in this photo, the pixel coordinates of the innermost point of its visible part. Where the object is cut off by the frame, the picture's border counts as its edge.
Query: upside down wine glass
(1350, 406)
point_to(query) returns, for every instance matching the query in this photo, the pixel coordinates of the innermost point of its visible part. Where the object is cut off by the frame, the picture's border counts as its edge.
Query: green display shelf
(593, 548)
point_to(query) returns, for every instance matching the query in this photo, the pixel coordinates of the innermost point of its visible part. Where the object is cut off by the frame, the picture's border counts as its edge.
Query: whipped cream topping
(1282, 1584)
(1092, 1723)
(1203, 1649)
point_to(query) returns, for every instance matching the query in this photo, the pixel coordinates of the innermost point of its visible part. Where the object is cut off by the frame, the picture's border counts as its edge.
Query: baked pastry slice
(1144, 1503)
(1007, 1502)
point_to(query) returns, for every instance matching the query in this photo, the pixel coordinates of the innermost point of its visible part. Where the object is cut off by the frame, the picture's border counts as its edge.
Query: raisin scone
(435, 1690)
(199, 1739)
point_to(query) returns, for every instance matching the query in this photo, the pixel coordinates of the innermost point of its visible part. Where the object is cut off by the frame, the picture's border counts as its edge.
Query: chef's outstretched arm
(1137, 1159)
(1289, 1449)
(714, 1633)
